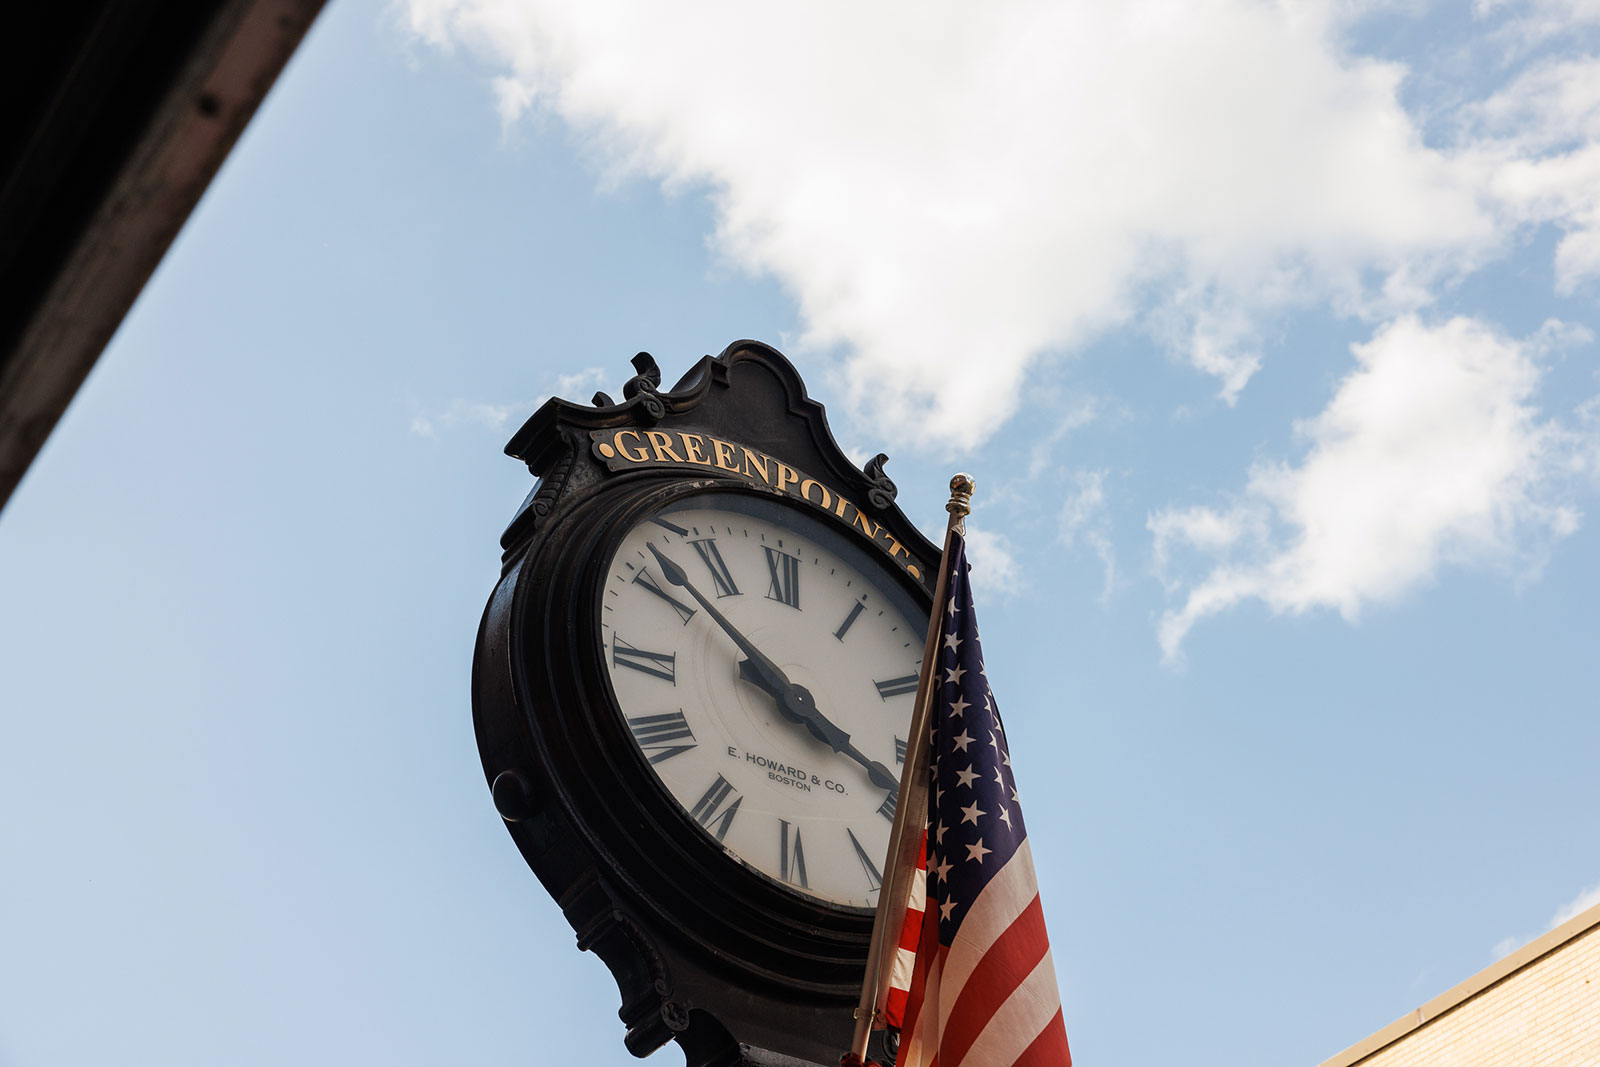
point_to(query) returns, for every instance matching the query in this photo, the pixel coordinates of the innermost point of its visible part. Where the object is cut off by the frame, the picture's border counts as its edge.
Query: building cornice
(1572, 930)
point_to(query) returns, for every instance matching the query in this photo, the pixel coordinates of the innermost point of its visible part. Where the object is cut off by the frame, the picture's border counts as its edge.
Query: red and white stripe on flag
(905, 957)
(988, 999)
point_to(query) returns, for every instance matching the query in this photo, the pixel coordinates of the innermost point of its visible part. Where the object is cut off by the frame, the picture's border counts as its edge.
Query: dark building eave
(119, 113)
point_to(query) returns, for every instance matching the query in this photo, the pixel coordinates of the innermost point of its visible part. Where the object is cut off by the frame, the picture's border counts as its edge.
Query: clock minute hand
(768, 674)
(795, 702)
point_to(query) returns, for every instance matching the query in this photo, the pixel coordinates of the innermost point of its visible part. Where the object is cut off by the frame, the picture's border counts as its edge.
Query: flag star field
(975, 777)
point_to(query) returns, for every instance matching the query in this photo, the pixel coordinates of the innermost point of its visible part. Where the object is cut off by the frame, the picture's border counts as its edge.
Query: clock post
(692, 693)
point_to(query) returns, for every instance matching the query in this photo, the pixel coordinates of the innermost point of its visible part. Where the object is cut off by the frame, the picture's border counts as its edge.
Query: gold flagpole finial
(960, 505)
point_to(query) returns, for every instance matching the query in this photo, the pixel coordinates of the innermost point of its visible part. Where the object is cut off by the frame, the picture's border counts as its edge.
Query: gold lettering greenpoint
(627, 449)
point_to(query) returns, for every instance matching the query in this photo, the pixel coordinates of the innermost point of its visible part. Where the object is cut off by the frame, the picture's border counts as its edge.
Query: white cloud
(1068, 416)
(470, 413)
(574, 386)
(1206, 529)
(1430, 453)
(1541, 137)
(497, 418)
(953, 191)
(1505, 946)
(1084, 520)
(1084, 504)
(1577, 906)
(1533, 21)
(995, 570)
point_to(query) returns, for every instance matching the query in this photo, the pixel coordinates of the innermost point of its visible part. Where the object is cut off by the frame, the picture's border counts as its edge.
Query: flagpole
(910, 814)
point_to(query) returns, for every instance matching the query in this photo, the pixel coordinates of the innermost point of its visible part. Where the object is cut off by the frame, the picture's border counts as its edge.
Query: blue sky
(1267, 332)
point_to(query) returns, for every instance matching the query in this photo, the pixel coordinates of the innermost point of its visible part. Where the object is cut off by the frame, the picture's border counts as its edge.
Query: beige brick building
(1538, 1007)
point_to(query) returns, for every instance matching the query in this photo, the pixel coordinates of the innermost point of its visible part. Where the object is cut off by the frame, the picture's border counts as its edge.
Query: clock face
(766, 665)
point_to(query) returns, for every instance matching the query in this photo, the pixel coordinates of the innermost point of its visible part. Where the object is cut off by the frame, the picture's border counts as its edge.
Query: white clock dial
(766, 664)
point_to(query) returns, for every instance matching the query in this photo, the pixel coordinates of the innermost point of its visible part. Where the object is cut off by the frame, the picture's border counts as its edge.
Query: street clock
(692, 692)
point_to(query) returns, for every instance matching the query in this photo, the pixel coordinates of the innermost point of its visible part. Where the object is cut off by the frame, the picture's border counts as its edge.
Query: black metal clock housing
(697, 570)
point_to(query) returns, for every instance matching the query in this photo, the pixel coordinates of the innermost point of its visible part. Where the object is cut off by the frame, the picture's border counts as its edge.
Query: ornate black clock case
(705, 951)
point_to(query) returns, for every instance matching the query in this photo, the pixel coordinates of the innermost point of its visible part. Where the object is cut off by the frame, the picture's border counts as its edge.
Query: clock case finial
(750, 393)
(718, 959)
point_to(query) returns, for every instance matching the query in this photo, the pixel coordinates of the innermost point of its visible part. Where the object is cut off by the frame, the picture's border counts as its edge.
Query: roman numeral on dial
(849, 620)
(791, 856)
(656, 734)
(785, 572)
(899, 750)
(713, 811)
(721, 578)
(644, 578)
(874, 876)
(657, 664)
(886, 809)
(896, 687)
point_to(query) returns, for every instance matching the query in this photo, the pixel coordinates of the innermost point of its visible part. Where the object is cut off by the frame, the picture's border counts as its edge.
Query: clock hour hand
(824, 730)
(877, 773)
(796, 704)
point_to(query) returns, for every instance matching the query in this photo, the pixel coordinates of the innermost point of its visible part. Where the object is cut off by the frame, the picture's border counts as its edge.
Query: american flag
(974, 982)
